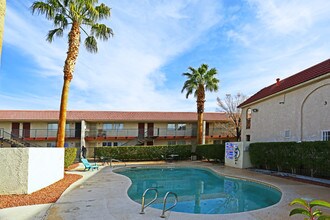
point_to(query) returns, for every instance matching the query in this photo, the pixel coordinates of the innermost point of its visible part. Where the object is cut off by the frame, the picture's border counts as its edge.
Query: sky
(249, 42)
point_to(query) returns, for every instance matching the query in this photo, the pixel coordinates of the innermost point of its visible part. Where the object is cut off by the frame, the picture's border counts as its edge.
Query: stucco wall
(25, 170)
(302, 113)
(14, 170)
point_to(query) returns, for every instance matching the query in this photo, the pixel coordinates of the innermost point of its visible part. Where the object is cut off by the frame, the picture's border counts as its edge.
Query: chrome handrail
(164, 203)
(143, 199)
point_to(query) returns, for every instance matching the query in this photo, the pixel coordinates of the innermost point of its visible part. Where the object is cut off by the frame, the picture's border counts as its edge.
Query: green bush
(69, 156)
(127, 153)
(211, 151)
(313, 157)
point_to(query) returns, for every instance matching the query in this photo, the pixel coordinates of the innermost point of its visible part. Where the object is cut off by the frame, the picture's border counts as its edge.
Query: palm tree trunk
(2, 21)
(200, 111)
(70, 62)
(200, 128)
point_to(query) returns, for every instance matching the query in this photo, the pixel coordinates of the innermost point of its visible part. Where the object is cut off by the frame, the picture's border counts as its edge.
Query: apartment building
(296, 108)
(110, 128)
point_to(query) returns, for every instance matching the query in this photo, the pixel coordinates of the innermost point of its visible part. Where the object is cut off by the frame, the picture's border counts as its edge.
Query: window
(171, 143)
(107, 126)
(182, 127)
(248, 137)
(114, 126)
(181, 142)
(110, 144)
(287, 133)
(105, 144)
(325, 135)
(52, 126)
(248, 118)
(170, 126)
(51, 144)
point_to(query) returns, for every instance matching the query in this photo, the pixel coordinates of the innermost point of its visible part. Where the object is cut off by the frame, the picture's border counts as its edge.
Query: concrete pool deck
(103, 195)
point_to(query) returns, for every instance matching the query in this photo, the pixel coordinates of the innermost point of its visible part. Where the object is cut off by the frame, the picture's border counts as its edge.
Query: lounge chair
(88, 166)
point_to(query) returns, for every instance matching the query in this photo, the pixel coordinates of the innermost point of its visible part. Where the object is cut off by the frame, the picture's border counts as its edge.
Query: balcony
(46, 134)
(100, 134)
(138, 133)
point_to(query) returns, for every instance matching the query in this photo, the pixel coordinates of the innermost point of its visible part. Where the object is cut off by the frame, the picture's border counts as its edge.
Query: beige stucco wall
(304, 112)
(25, 170)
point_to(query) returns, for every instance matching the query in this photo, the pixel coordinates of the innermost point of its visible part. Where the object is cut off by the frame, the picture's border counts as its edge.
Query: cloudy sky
(250, 43)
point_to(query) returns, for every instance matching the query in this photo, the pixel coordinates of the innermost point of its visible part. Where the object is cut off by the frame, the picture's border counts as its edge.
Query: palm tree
(200, 80)
(76, 14)
(2, 21)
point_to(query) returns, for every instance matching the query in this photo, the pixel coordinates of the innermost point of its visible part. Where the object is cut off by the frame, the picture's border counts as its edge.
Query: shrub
(311, 157)
(211, 151)
(143, 152)
(69, 156)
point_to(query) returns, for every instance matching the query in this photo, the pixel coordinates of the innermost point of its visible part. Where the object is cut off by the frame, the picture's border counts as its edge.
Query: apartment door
(207, 129)
(26, 129)
(141, 130)
(150, 129)
(78, 130)
(15, 129)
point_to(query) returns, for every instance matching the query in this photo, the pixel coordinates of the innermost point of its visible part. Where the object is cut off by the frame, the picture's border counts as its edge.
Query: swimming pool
(199, 190)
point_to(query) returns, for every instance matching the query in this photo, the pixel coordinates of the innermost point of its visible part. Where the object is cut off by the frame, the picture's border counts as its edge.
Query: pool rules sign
(232, 151)
(237, 155)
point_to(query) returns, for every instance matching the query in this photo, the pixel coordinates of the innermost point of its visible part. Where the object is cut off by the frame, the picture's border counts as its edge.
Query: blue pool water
(199, 190)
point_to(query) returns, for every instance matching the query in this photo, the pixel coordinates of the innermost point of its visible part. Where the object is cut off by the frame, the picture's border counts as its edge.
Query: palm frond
(101, 31)
(91, 44)
(60, 21)
(103, 11)
(43, 8)
(58, 32)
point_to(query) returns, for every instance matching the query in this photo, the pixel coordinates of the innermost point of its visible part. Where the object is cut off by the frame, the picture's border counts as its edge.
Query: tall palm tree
(198, 81)
(2, 21)
(78, 15)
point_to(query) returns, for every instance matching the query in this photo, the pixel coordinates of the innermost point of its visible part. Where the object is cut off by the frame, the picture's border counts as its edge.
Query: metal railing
(45, 133)
(143, 206)
(14, 140)
(152, 133)
(164, 203)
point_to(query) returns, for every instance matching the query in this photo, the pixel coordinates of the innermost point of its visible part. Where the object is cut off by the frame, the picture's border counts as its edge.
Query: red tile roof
(42, 115)
(294, 80)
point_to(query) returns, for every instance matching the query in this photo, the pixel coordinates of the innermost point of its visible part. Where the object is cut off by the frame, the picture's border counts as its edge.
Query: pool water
(199, 190)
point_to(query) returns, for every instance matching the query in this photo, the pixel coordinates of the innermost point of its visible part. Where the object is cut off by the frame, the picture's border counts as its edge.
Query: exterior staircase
(14, 141)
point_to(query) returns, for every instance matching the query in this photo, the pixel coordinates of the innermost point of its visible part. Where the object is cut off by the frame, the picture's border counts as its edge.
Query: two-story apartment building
(110, 128)
(296, 108)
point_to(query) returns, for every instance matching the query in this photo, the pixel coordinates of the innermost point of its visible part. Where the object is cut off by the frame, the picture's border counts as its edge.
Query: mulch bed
(49, 194)
(71, 167)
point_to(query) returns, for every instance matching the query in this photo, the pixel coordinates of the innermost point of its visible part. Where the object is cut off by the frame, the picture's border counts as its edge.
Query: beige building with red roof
(110, 128)
(296, 108)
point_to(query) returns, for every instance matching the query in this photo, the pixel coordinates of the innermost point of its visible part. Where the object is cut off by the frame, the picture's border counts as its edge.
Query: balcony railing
(155, 132)
(46, 133)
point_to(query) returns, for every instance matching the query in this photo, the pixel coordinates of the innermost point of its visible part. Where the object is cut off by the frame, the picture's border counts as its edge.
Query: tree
(198, 81)
(229, 105)
(2, 21)
(78, 15)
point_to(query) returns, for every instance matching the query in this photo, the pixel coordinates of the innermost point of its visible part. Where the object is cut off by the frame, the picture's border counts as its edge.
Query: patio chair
(88, 166)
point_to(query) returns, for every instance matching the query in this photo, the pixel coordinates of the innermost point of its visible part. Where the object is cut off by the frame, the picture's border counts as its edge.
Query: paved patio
(103, 195)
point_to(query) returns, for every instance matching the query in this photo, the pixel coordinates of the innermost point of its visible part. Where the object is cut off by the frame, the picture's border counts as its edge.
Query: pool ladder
(154, 199)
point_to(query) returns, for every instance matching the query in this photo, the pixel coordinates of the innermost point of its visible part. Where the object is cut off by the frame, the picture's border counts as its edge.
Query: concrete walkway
(104, 196)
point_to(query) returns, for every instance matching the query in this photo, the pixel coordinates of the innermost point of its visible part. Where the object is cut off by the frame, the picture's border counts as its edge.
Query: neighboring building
(293, 109)
(109, 128)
